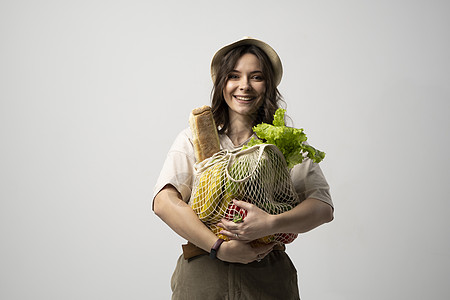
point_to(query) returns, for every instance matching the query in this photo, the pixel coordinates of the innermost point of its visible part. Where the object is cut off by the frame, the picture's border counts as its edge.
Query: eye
(233, 76)
(258, 77)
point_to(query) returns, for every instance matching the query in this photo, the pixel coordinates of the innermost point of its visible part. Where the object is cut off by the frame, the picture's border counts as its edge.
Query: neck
(239, 130)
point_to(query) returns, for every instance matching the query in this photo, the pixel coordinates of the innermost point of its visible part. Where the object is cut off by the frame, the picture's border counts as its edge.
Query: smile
(244, 98)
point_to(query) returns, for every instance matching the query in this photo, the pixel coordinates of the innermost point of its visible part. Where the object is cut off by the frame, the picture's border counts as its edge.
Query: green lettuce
(290, 141)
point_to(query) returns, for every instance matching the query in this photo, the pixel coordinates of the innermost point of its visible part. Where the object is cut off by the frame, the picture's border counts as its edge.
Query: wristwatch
(215, 248)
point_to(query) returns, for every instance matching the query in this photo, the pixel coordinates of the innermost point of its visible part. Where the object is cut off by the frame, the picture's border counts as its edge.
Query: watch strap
(215, 248)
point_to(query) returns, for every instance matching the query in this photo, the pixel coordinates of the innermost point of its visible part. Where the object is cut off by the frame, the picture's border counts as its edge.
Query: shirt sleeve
(178, 168)
(309, 182)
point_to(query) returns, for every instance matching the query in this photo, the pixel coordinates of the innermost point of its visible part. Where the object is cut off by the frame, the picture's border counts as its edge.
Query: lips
(244, 98)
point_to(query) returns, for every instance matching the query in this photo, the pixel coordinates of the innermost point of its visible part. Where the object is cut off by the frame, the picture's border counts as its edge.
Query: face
(245, 87)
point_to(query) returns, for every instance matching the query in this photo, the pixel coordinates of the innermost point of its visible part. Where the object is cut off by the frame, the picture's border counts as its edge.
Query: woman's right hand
(236, 251)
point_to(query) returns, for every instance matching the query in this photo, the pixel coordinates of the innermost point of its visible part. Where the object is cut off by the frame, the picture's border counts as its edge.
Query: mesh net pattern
(258, 175)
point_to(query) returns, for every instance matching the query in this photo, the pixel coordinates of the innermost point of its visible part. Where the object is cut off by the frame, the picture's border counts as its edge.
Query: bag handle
(218, 157)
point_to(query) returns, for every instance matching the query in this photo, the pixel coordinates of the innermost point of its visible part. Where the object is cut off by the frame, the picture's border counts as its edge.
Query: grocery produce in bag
(258, 173)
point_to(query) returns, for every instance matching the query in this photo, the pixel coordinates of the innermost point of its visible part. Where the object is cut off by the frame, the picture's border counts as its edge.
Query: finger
(228, 234)
(242, 204)
(229, 225)
(232, 235)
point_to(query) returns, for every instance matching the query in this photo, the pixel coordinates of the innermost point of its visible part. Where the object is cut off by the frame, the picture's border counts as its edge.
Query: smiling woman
(267, 69)
(245, 76)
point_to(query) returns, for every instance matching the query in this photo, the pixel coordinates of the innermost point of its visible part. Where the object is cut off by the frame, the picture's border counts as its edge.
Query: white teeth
(244, 98)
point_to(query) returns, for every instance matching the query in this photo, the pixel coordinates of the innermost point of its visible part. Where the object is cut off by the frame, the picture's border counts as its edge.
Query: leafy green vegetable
(290, 141)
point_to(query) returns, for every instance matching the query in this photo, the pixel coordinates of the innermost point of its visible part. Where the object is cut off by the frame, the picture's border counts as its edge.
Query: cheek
(261, 90)
(262, 95)
(227, 90)
(225, 94)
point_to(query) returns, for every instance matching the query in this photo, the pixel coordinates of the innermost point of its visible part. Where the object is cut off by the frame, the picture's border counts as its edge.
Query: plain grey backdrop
(94, 92)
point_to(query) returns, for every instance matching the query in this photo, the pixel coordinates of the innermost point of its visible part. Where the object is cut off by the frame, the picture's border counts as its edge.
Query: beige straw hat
(273, 56)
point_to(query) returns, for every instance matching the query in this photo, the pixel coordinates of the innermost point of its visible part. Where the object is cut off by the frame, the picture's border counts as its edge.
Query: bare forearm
(169, 206)
(179, 216)
(306, 216)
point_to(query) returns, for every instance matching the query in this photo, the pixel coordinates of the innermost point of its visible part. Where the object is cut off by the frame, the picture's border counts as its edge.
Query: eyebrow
(236, 71)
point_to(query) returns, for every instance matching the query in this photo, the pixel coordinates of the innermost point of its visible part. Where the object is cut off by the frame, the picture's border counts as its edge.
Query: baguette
(204, 132)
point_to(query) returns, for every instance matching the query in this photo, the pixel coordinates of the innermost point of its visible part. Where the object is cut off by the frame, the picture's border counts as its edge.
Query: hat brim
(270, 52)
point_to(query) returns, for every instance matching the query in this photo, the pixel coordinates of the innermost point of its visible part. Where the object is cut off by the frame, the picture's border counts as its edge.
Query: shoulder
(184, 137)
(185, 134)
(183, 143)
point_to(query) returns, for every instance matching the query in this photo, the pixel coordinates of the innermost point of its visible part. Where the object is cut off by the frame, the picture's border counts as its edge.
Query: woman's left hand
(256, 224)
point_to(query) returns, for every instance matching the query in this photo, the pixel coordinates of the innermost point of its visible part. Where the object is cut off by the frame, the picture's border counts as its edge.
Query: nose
(245, 85)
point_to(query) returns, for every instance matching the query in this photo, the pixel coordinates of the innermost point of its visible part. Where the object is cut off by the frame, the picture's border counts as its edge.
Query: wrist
(215, 248)
(273, 224)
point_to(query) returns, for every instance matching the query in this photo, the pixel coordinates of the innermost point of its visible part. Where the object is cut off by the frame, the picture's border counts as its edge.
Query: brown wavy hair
(272, 97)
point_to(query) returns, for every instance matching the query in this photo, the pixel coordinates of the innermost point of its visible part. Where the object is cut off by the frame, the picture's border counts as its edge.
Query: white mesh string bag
(258, 175)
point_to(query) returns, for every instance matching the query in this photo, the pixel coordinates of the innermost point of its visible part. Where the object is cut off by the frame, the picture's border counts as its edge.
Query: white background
(94, 92)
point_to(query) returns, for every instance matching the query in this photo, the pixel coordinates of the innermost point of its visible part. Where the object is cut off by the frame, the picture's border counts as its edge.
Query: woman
(245, 75)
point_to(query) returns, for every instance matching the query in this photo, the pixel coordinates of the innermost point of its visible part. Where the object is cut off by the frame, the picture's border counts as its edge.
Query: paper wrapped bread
(204, 132)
